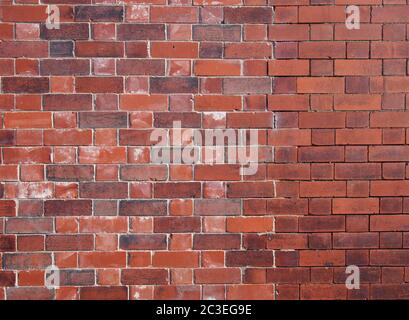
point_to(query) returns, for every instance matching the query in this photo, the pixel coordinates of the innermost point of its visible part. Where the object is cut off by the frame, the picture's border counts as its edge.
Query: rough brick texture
(78, 188)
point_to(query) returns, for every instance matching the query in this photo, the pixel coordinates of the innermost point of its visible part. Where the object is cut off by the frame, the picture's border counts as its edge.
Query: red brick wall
(79, 190)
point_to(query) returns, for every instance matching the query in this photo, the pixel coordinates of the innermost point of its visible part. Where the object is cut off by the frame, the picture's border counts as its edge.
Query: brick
(351, 171)
(390, 14)
(99, 13)
(143, 242)
(98, 49)
(288, 102)
(389, 257)
(99, 85)
(322, 224)
(75, 102)
(388, 153)
(174, 14)
(77, 277)
(140, 67)
(389, 223)
(246, 85)
(355, 205)
(250, 190)
(217, 68)
(186, 119)
(167, 85)
(29, 225)
(322, 189)
(67, 137)
(177, 190)
(28, 293)
(322, 120)
(320, 85)
(103, 259)
(61, 49)
(358, 136)
(103, 120)
(103, 293)
(248, 15)
(288, 68)
(25, 85)
(288, 32)
(26, 261)
(133, 31)
(69, 242)
(67, 31)
(288, 275)
(174, 50)
(217, 275)
(247, 50)
(59, 67)
(314, 14)
(249, 258)
(216, 32)
(27, 155)
(142, 207)
(175, 259)
(389, 188)
(217, 102)
(70, 173)
(176, 224)
(103, 190)
(249, 224)
(355, 240)
(216, 242)
(322, 258)
(322, 49)
(357, 102)
(23, 120)
(289, 137)
(358, 67)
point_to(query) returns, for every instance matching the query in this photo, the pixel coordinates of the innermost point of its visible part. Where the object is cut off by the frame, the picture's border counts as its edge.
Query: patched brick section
(79, 187)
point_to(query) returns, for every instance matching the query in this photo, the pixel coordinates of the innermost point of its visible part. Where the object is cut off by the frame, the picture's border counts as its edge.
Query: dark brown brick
(168, 85)
(249, 258)
(67, 31)
(68, 208)
(25, 85)
(142, 207)
(66, 102)
(70, 172)
(77, 277)
(143, 242)
(104, 190)
(7, 137)
(7, 243)
(99, 13)
(216, 241)
(103, 119)
(64, 67)
(186, 119)
(241, 15)
(26, 261)
(177, 190)
(141, 67)
(128, 32)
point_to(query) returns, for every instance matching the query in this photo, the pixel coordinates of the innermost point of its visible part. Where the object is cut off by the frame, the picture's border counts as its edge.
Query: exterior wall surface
(85, 84)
